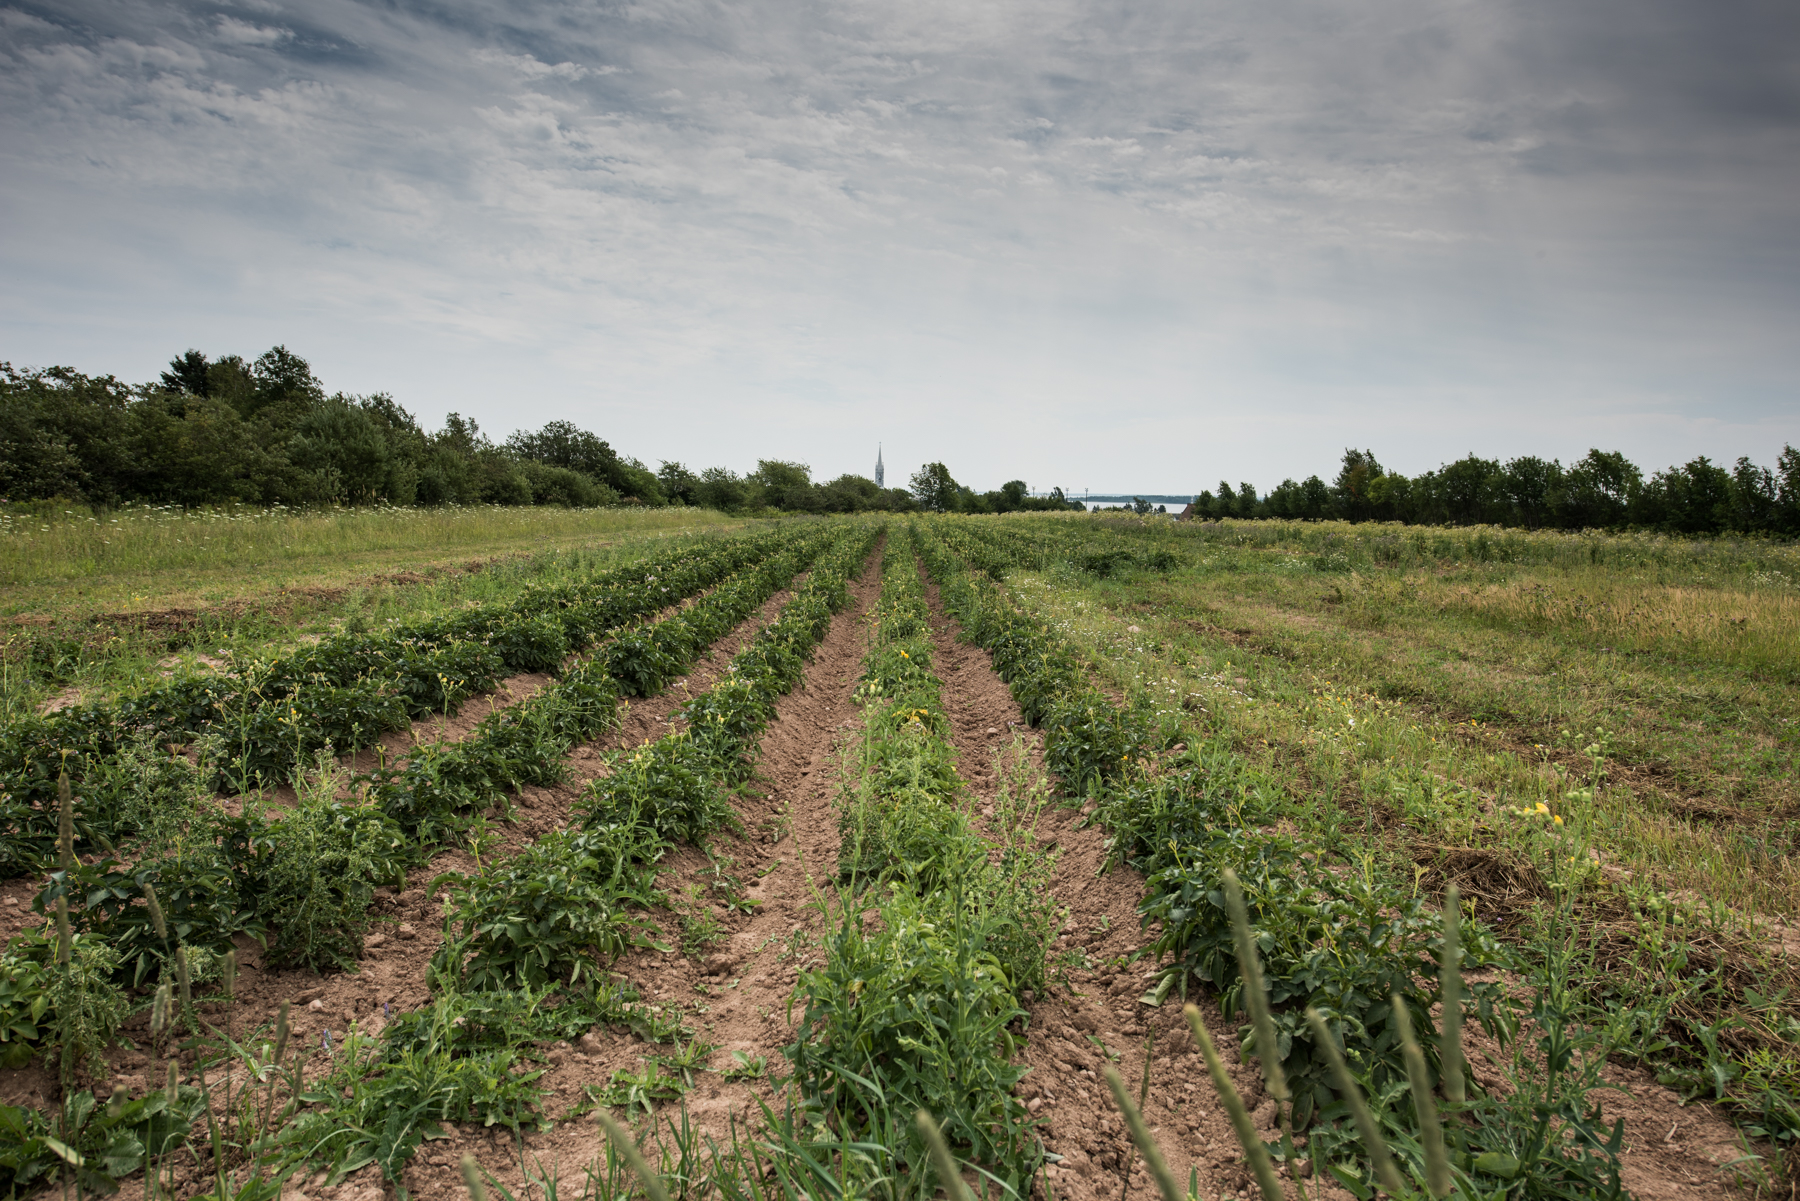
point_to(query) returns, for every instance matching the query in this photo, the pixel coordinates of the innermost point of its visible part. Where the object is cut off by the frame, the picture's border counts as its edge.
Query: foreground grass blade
(1268, 1050)
(1431, 1131)
(940, 1155)
(1385, 1171)
(621, 1140)
(471, 1172)
(1254, 1150)
(1450, 973)
(1140, 1134)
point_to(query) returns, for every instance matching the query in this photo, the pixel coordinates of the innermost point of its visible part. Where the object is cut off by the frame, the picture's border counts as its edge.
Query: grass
(208, 583)
(70, 560)
(1464, 693)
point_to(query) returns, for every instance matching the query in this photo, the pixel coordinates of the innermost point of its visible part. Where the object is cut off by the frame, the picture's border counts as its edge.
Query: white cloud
(243, 33)
(1032, 231)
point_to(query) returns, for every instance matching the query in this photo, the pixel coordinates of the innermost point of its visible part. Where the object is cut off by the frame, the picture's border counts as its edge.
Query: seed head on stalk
(1450, 974)
(1385, 1171)
(1254, 1151)
(65, 939)
(948, 1177)
(621, 1142)
(1431, 1131)
(65, 825)
(156, 914)
(181, 975)
(1140, 1134)
(471, 1174)
(1268, 1051)
(159, 1011)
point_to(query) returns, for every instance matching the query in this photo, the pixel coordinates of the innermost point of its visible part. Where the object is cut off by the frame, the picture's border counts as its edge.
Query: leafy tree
(344, 450)
(187, 375)
(563, 444)
(720, 488)
(1599, 490)
(1691, 499)
(780, 484)
(61, 435)
(1531, 487)
(934, 489)
(1787, 491)
(1358, 472)
(678, 483)
(1755, 498)
(1466, 489)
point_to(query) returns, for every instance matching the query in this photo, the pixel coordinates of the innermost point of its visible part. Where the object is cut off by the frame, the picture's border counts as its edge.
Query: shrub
(913, 1015)
(552, 914)
(323, 860)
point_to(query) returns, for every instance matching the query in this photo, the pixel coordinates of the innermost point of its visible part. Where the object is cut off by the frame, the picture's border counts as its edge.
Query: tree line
(264, 431)
(1602, 490)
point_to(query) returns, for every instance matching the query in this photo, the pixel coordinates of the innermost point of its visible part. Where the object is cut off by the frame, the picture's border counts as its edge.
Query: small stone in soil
(406, 930)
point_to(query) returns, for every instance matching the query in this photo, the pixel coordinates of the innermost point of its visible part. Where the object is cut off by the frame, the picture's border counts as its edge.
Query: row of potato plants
(1703, 1018)
(303, 880)
(919, 1009)
(222, 876)
(529, 940)
(262, 721)
(1333, 937)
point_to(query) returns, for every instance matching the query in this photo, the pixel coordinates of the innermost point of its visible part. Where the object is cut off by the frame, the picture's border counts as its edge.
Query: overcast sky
(1122, 245)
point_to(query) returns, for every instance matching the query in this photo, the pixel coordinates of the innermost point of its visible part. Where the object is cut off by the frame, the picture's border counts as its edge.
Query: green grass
(252, 582)
(1469, 690)
(70, 560)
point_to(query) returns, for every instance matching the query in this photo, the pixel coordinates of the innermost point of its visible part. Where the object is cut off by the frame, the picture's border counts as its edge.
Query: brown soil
(737, 992)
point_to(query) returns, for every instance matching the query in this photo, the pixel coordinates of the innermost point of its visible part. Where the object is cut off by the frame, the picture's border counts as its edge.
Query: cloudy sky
(1118, 244)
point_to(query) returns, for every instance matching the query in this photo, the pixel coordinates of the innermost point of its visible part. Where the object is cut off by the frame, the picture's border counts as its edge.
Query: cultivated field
(760, 840)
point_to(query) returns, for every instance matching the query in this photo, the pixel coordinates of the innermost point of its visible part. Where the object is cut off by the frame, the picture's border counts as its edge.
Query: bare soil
(737, 991)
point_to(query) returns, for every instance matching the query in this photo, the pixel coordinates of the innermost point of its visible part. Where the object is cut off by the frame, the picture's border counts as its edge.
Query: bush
(323, 860)
(913, 1015)
(552, 914)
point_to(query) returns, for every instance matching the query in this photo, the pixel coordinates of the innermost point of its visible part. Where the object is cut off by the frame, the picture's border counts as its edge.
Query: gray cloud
(1126, 246)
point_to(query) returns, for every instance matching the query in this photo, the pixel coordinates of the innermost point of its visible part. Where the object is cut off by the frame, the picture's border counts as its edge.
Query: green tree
(720, 488)
(1598, 491)
(780, 484)
(187, 375)
(1358, 472)
(564, 444)
(344, 450)
(934, 489)
(1530, 487)
(678, 483)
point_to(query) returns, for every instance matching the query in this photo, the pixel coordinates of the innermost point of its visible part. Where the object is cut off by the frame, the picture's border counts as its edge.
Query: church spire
(880, 473)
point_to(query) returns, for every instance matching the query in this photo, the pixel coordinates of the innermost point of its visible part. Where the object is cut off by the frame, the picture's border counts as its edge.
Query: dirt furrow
(1094, 1016)
(736, 991)
(393, 975)
(1672, 1152)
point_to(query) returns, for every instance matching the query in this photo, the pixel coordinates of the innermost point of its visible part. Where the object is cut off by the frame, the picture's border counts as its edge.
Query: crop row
(264, 720)
(917, 1009)
(1344, 942)
(527, 938)
(303, 880)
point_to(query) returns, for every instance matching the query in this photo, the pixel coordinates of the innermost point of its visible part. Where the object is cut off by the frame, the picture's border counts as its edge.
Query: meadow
(1208, 859)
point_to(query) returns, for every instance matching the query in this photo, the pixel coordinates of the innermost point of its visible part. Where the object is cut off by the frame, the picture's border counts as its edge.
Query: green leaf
(1497, 1163)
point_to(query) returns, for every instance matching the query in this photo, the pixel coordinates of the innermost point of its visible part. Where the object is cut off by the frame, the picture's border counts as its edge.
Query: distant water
(1155, 498)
